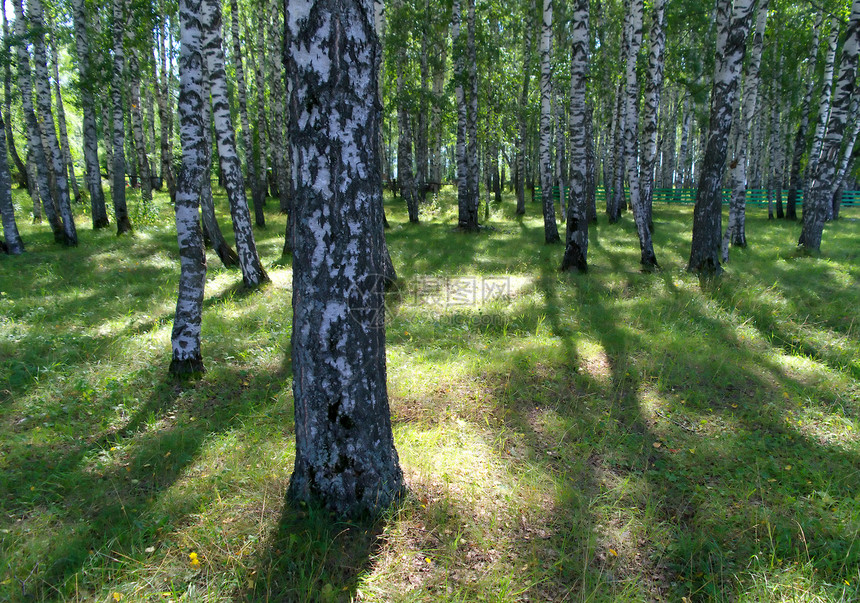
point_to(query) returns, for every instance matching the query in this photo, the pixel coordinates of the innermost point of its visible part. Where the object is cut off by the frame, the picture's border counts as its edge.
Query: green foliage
(613, 436)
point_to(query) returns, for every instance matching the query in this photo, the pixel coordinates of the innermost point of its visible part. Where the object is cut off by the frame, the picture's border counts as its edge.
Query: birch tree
(653, 90)
(123, 224)
(522, 114)
(823, 178)
(253, 273)
(467, 206)
(65, 148)
(251, 164)
(734, 24)
(90, 132)
(277, 104)
(165, 108)
(546, 168)
(185, 339)
(345, 455)
(13, 244)
(576, 236)
(736, 228)
(41, 80)
(136, 114)
(631, 137)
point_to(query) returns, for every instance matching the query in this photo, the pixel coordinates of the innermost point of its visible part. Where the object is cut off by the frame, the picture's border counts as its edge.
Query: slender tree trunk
(707, 216)
(278, 120)
(32, 177)
(614, 209)
(345, 455)
(736, 228)
(546, 168)
(46, 119)
(824, 100)
(467, 209)
(136, 112)
(165, 112)
(23, 176)
(653, 89)
(421, 137)
(404, 151)
(800, 138)
(251, 162)
(39, 173)
(472, 121)
(823, 182)
(91, 140)
(522, 113)
(185, 339)
(683, 153)
(123, 224)
(65, 149)
(14, 244)
(439, 69)
(253, 273)
(631, 135)
(258, 66)
(576, 236)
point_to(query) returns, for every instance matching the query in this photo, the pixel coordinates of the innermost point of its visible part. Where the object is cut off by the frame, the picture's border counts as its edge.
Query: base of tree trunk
(123, 226)
(187, 368)
(227, 256)
(100, 223)
(574, 260)
(552, 240)
(707, 268)
(3, 248)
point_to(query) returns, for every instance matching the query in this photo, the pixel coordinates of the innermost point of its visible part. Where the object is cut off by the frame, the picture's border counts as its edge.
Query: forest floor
(612, 436)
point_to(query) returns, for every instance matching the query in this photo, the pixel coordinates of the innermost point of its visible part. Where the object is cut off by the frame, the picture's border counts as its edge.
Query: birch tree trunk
(33, 178)
(733, 26)
(546, 167)
(522, 114)
(253, 273)
(823, 178)
(439, 73)
(14, 244)
(421, 135)
(251, 162)
(653, 90)
(823, 101)
(65, 150)
(631, 135)
(23, 174)
(736, 228)
(165, 112)
(185, 338)
(257, 61)
(576, 235)
(123, 224)
(345, 456)
(794, 183)
(614, 207)
(472, 121)
(467, 219)
(404, 149)
(91, 141)
(145, 178)
(46, 120)
(278, 106)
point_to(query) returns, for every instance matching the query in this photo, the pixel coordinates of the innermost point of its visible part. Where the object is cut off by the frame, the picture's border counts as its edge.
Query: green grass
(614, 436)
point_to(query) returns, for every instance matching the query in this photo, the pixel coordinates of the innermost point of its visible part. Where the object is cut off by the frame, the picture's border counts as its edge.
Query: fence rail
(755, 196)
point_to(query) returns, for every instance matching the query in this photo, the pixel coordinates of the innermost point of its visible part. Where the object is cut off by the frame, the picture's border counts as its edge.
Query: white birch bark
(653, 90)
(472, 121)
(467, 211)
(42, 84)
(277, 121)
(90, 132)
(123, 224)
(253, 273)
(65, 149)
(631, 134)
(576, 234)
(13, 244)
(546, 167)
(522, 114)
(258, 65)
(345, 456)
(824, 100)
(185, 338)
(823, 178)
(736, 227)
(251, 163)
(734, 24)
(136, 114)
(36, 161)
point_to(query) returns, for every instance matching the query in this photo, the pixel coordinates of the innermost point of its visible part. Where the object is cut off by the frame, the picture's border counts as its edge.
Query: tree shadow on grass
(105, 494)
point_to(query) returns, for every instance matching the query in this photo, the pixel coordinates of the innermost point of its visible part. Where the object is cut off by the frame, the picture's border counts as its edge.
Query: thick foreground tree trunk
(345, 455)
(707, 214)
(185, 339)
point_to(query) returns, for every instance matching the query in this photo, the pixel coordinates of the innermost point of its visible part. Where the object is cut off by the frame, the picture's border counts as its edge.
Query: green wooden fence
(756, 197)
